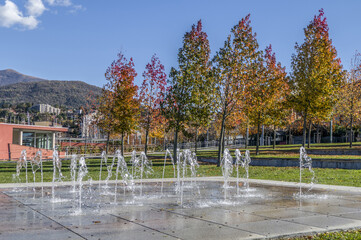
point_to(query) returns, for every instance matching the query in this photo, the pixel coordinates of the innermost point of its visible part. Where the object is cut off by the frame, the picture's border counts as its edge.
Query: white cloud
(65, 3)
(10, 16)
(76, 8)
(35, 7)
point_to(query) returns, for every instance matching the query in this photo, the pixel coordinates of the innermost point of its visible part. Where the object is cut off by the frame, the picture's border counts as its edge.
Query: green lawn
(277, 155)
(323, 176)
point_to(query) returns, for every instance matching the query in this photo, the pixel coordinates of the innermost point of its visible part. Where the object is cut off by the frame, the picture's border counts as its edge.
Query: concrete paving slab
(283, 213)
(278, 228)
(327, 209)
(40, 234)
(208, 211)
(355, 215)
(112, 234)
(119, 230)
(214, 232)
(327, 222)
(221, 216)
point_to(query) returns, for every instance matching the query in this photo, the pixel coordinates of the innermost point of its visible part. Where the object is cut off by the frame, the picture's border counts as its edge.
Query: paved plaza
(268, 209)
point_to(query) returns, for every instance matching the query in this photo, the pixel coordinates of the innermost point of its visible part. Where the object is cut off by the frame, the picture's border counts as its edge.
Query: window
(38, 140)
(42, 140)
(28, 139)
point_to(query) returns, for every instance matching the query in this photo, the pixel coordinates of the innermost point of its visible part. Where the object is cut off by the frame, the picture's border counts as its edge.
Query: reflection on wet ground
(208, 212)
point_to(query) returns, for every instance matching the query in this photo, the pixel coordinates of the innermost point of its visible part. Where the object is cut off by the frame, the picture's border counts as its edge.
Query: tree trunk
(207, 137)
(146, 141)
(195, 140)
(247, 134)
(107, 148)
(304, 129)
(257, 141)
(122, 145)
(175, 144)
(318, 134)
(164, 141)
(331, 132)
(309, 134)
(221, 142)
(289, 134)
(351, 125)
(274, 137)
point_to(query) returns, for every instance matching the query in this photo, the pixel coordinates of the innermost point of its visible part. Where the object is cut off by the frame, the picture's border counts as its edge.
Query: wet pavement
(208, 211)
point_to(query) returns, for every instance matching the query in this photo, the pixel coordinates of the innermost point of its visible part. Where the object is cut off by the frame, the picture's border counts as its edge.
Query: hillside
(10, 76)
(68, 93)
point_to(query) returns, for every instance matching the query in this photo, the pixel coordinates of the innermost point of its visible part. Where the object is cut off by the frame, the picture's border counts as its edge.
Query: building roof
(33, 127)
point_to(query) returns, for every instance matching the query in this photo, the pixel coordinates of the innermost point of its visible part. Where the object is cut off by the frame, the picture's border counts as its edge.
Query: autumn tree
(316, 73)
(195, 64)
(188, 99)
(233, 70)
(104, 116)
(118, 107)
(151, 95)
(349, 104)
(267, 94)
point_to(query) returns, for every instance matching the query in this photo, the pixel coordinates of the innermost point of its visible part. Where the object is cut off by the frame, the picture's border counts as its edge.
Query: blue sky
(78, 39)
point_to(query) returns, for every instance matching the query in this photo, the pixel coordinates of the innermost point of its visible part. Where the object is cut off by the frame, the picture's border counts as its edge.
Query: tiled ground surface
(207, 212)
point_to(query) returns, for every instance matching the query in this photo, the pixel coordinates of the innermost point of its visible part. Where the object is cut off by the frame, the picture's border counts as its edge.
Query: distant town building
(45, 108)
(89, 129)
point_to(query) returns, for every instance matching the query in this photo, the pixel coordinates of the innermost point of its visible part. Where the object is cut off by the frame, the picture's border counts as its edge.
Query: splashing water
(227, 167)
(122, 169)
(238, 163)
(184, 159)
(134, 161)
(305, 162)
(109, 169)
(145, 169)
(57, 175)
(73, 168)
(172, 161)
(83, 170)
(36, 164)
(141, 166)
(245, 164)
(22, 163)
(104, 160)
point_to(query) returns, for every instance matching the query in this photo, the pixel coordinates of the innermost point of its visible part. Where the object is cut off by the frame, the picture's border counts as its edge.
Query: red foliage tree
(151, 94)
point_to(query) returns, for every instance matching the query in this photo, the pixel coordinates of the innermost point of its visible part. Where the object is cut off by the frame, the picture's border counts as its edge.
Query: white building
(45, 108)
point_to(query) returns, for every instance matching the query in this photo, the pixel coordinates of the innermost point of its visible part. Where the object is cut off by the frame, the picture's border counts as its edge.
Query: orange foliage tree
(316, 73)
(118, 109)
(349, 104)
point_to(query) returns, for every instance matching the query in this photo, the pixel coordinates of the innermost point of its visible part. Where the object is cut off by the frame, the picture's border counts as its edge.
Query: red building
(16, 137)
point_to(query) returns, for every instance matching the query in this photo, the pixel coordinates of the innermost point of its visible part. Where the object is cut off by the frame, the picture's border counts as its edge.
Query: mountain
(10, 76)
(68, 93)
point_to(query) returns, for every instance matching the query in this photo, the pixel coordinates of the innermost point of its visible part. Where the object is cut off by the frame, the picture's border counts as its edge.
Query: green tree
(267, 92)
(234, 69)
(316, 73)
(189, 94)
